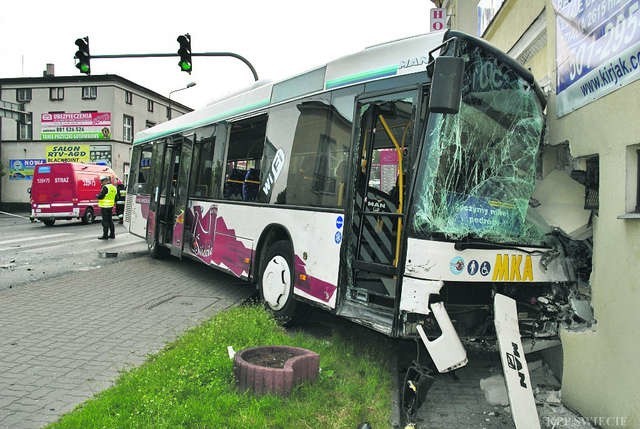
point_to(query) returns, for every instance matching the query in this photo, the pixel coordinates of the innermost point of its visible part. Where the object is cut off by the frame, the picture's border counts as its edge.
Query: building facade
(89, 119)
(586, 57)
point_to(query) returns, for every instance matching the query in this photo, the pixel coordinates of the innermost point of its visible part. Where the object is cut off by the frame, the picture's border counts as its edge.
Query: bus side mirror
(28, 190)
(446, 85)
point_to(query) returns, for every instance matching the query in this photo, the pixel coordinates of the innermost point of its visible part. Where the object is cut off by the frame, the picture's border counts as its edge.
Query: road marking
(47, 243)
(101, 246)
(22, 240)
(14, 215)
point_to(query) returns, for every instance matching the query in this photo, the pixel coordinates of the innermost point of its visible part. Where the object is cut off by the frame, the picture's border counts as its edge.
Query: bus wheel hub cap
(276, 282)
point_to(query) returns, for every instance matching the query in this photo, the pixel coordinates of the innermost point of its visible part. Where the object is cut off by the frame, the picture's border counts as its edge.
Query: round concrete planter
(274, 369)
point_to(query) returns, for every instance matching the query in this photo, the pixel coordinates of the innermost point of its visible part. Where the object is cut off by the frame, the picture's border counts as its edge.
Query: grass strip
(190, 383)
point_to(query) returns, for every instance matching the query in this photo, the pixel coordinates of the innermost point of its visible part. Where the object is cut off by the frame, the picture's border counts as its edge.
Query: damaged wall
(601, 367)
(600, 364)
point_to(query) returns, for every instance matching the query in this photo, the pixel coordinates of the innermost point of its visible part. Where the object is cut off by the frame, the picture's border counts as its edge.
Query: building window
(632, 174)
(25, 129)
(149, 124)
(637, 181)
(56, 94)
(487, 9)
(89, 92)
(150, 105)
(127, 128)
(23, 95)
(128, 97)
(168, 112)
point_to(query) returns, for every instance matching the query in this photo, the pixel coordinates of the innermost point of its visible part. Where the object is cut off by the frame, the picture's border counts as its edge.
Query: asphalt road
(33, 251)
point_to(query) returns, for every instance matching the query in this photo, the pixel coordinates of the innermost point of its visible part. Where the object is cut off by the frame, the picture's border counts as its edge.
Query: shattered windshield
(478, 166)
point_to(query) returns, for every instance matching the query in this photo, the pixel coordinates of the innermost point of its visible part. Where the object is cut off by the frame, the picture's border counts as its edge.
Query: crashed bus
(392, 187)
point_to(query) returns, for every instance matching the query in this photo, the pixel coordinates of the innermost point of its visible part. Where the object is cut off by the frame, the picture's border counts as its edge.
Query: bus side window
(233, 184)
(251, 184)
(244, 152)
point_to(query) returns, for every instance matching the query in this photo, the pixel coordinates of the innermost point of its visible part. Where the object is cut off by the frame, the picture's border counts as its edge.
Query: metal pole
(195, 54)
(189, 85)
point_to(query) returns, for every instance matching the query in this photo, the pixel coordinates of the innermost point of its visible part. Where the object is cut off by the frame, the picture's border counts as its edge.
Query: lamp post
(189, 85)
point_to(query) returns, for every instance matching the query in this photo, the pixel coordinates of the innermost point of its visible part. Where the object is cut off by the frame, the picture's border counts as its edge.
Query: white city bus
(387, 187)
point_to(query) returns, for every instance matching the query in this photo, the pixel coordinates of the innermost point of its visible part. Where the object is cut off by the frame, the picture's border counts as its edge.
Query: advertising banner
(597, 49)
(75, 126)
(69, 153)
(22, 169)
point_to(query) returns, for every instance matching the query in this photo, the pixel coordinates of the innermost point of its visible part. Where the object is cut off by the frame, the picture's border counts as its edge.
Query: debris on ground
(495, 390)
(548, 396)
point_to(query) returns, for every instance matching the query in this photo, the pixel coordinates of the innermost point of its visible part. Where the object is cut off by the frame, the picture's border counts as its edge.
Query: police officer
(106, 201)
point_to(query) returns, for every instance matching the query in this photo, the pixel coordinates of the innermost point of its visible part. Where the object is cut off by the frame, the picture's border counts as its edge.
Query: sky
(280, 38)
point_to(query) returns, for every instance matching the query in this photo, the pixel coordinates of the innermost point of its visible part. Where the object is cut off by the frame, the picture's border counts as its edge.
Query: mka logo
(513, 271)
(513, 360)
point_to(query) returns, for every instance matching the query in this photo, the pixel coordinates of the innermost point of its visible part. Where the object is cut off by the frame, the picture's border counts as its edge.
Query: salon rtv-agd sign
(75, 126)
(69, 153)
(597, 49)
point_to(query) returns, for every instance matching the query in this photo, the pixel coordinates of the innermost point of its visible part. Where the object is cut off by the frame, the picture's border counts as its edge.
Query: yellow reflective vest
(109, 200)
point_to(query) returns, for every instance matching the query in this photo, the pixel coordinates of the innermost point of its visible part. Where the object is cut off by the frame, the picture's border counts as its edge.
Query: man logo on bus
(276, 169)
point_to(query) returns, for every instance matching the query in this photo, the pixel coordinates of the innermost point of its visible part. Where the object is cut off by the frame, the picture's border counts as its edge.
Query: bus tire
(276, 281)
(156, 251)
(49, 221)
(88, 216)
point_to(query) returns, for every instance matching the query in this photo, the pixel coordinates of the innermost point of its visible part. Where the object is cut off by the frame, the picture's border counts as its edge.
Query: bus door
(385, 134)
(179, 193)
(168, 202)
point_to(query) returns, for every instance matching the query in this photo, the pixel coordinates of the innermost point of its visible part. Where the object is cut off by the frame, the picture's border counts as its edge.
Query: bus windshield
(478, 167)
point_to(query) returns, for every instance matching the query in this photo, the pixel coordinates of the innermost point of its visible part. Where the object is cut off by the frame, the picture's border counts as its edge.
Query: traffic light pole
(194, 54)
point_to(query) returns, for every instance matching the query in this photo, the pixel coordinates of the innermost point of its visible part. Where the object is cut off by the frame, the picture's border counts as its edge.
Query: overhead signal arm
(184, 52)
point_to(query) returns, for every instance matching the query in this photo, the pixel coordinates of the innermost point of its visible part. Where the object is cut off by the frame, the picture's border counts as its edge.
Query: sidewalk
(64, 339)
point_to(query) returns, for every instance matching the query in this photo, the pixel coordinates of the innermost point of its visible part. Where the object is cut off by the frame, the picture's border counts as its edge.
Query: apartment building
(71, 118)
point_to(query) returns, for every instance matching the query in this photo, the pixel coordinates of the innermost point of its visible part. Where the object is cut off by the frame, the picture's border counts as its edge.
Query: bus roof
(399, 57)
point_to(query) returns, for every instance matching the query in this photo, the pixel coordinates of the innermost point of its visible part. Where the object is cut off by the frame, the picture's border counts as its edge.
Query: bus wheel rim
(276, 282)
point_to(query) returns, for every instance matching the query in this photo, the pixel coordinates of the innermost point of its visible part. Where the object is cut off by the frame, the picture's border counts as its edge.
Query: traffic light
(83, 56)
(185, 53)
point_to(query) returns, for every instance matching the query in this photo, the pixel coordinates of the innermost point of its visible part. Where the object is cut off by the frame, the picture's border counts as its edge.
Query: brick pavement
(64, 339)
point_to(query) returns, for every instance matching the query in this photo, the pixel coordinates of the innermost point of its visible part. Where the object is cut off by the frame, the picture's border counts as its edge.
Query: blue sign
(339, 222)
(472, 267)
(485, 268)
(597, 45)
(338, 237)
(22, 169)
(481, 215)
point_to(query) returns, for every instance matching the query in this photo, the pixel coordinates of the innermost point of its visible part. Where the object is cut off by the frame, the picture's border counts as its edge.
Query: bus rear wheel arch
(275, 281)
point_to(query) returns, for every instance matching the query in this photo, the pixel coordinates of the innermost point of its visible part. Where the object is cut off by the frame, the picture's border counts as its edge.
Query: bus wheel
(49, 221)
(276, 281)
(156, 251)
(88, 216)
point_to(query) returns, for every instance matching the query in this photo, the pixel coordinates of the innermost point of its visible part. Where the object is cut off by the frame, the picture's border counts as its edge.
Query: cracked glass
(479, 165)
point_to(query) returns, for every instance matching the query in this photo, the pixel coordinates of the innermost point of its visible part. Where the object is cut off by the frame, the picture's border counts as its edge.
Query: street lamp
(189, 85)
